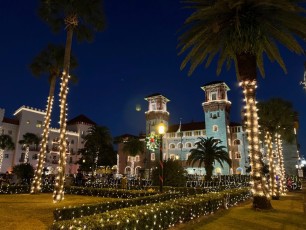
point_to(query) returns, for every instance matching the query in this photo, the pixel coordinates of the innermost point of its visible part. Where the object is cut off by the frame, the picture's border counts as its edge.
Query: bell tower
(157, 112)
(217, 110)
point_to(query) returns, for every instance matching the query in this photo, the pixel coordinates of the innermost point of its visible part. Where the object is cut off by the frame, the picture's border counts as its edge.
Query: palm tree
(243, 31)
(207, 152)
(277, 120)
(84, 18)
(97, 143)
(28, 140)
(6, 143)
(50, 62)
(133, 146)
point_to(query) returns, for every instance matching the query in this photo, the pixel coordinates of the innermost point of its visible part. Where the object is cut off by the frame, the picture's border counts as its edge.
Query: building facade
(181, 138)
(30, 120)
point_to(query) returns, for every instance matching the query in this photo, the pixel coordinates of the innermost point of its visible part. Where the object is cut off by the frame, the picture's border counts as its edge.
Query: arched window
(237, 155)
(237, 142)
(188, 145)
(172, 146)
(215, 128)
(137, 158)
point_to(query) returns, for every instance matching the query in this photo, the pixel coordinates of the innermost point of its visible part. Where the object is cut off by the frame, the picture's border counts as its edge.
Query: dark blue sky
(135, 56)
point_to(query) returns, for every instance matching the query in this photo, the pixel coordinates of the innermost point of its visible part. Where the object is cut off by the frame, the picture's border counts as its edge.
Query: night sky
(135, 56)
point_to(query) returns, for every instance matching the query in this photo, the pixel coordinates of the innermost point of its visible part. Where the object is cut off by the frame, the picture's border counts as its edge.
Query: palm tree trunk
(279, 151)
(246, 64)
(1, 157)
(36, 184)
(58, 193)
(273, 185)
(26, 157)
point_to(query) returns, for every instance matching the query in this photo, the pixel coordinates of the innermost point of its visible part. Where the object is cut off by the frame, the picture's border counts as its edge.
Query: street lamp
(161, 131)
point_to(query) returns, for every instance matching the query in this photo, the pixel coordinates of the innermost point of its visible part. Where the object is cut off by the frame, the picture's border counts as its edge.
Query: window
(137, 158)
(197, 133)
(152, 156)
(38, 124)
(22, 157)
(129, 159)
(215, 128)
(6, 156)
(180, 134)
(236, 142)
(204, 132)
(171, 134)
(188, 134)
(180, 145)
(236, 129)
(72, 142)
(213, 96)
(237, 155)
(172, 146)
(34, 157)
(153, 106)
(188, 145)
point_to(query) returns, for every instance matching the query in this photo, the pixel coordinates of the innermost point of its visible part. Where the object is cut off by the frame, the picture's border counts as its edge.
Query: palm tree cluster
(242, 32)
(83, 18)
(276, 122)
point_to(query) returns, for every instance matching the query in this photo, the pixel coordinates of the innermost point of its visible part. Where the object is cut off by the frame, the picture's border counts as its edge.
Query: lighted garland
(152, 141)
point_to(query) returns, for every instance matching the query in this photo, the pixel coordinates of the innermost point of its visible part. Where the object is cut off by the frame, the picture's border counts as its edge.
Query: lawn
(25, 211)
(287, 214)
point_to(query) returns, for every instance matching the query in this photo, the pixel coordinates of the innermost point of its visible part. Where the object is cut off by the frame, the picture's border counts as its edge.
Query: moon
(138, 108)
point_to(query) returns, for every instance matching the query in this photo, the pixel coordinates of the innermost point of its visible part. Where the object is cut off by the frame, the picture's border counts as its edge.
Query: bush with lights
(93, 209)
(161, 215)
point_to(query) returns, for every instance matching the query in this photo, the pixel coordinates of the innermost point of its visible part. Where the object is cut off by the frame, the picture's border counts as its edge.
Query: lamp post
(161, 131)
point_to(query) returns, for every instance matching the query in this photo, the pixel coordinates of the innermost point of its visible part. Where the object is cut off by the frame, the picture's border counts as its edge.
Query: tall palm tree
(50, 62)
(243, 31)
(97, 143)
(83, 18)
(277, 118)
(28, 140)
(6, 143)
(133, 146)
(207, 152)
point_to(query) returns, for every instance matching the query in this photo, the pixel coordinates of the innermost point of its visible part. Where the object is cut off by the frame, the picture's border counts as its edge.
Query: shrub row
(157, 215)
(14, 189)
(86, 210)
(108, 192)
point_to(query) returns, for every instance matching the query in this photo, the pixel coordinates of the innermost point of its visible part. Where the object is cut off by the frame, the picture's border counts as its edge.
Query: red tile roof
(80, 119)
(10, 121)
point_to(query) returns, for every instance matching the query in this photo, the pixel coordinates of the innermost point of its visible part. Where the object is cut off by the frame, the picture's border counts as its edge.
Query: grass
(35, 212)
(287, 214)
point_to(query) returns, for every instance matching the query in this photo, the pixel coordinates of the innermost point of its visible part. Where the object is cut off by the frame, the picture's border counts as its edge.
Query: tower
(217, 109)
(157, 112)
